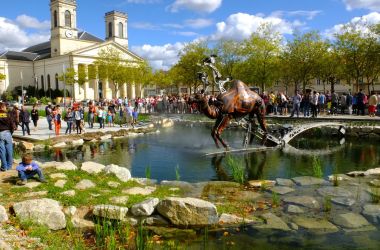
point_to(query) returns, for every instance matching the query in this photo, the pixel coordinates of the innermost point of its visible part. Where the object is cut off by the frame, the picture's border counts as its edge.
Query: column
(123, 90)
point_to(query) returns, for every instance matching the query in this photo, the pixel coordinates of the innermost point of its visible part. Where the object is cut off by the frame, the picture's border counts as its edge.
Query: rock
(40, 147)
(375, 183)
(113, 184)
(41, 211)
(138, 190)
(308, 180)
(58, 176)
(77, 142)
(110, 212)
(261, 183)
(284, 182)
(82, 223)
(3, 214)
(119, 199)
(228, 219)
(188, 211)
(70, 211)
(246, 195)
(92, 167)
(4, 245)
(145, 208)
(344, 201)
(167, 123)
(350, 220)
(355, 173)
(50, 164)
(32, 184)
(60, 145)
(271, 222)
(156, 220)
(69, 193)
(84, 184)
(60, 183)
(295, 209)
(131, 221)
(293, 226)
(305, 201)
(339, 177)
(315, 225)
(123, 174)
(374, 191)
(373, 171)
(372, 213)
(281, 190)
(105, 137)
(27, 146)
(33, 194)
(66, 166)
(144, 181)
(334, 192)
(180, 184)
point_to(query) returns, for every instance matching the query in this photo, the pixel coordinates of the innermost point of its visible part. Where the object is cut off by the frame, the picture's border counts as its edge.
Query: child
(135, 114)
(27, 169)
(109, 118)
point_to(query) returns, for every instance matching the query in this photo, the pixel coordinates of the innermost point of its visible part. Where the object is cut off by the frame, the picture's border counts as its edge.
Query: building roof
(19, 56)
(88, 37)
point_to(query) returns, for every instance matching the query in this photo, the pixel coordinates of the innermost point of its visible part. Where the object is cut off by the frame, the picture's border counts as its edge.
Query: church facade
(42, 64)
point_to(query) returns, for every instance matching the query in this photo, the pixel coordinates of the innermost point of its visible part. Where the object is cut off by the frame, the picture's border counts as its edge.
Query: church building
(42, 64)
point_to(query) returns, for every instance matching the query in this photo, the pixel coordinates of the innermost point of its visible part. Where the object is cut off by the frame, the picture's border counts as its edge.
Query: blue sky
(158, 29)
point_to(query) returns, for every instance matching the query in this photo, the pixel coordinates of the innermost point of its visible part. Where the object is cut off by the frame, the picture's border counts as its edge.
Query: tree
(2, 77)
(69, 77)
(228, 56)
(82, 75)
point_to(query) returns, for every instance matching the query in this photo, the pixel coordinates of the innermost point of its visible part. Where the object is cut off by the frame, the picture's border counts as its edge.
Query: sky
(158, 29)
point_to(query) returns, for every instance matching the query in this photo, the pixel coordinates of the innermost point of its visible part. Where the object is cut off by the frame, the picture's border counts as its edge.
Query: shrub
(33, 100)
(45, 100)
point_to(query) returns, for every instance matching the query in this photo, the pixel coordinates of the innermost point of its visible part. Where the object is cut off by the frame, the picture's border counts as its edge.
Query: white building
(41, 64)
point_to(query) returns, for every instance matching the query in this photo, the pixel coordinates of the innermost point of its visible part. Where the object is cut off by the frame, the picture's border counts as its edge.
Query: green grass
(177, 175)
(317, 167)
(237, 169)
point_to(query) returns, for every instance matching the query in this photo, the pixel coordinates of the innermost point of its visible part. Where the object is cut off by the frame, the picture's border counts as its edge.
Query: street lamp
(36, 85)
(22, 89)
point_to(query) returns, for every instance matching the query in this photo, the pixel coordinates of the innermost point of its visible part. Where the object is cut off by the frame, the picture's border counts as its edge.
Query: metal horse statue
(236, 103)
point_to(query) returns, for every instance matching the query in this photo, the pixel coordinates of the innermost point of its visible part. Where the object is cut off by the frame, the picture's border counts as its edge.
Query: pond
(184, 147)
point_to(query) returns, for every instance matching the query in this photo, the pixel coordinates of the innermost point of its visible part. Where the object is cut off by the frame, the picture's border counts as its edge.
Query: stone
(375, 183)
(334, 192)
(58, 176)
(271, 222)
(138, 190)
(372, 213)
(355, 173)
(155, 220)
(123, 174)
(92, 167)
(188, 211)
(27, 146)
(3, 214)
(144, 181)
(4, 245)
(350, 220)
(34, 194)
(374, 191)
(66, 166)
(284, 182)
(40, 147)
(113, 184)
(31, 185)
(110, 212)
(344, 201)
(373, 171)
(305, 201)
(50, 164)
(77, 142)
(60, 145)
(179, 184)
(243, 195)
(314, 225)
(261, 183)
(308, 180)
(70, 211)
(69, 193)
(119, 199)
(145, 208)
(60, 183)
(44, 211)
(82, 223)
(228, 219)
(293, 209)
(281, 190)
(167, 123)
(105, 137)
(339, 177)
(84, 184)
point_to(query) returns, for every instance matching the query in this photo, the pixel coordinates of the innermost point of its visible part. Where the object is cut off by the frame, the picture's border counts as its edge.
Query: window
(48, 82)
(67, 18)
(110, 29)
(318, 81)
(42, 83)
(121, 30)
(56, 81)
(55, 19)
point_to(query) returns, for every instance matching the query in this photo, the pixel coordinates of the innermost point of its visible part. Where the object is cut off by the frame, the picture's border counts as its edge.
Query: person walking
(334, 103)
(296, 104)
(314, 104)
(35, 116)
(91, 114)
(49, 117)
(306, 104)
(6, 143)
(78, 120)
(69, 120)
(360, 102)
(100, 117)
(25, 120)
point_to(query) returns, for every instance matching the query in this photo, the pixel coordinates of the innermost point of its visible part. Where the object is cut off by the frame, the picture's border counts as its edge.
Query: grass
(237, 169)
(375, 194)
(275, 199)
(317, 167)
(327, 204)
(148, 172)
(177, 175)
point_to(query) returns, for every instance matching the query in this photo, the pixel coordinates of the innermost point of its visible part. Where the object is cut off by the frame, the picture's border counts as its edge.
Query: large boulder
(372, 213)
(188, 211)
(305, 201)
(111, 212)
(272, 222)
(308, 181)
(139, 190)
(350, 221)
(65, 166)
(314, 225)
(45, 211)
(123, 174)
(92, 167)
(145, 208)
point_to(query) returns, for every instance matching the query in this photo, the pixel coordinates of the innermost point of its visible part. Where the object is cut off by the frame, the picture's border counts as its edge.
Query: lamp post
(22, 89)
(36, 85)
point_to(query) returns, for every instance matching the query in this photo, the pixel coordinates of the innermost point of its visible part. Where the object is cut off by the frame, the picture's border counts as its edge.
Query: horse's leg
(220, 127)
(261, 118)
(213, 131)
(253, 127)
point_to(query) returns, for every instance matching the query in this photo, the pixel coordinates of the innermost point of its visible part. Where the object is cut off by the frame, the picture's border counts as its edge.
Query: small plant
(317, 168)
(327, 204)
(177, 175)
(335, 177)
(147, 172)
(275, 199)
(237, 169)
(16, 153)
(375, 194)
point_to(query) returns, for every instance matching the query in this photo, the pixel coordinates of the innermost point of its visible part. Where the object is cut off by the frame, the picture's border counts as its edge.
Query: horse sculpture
(238, 102)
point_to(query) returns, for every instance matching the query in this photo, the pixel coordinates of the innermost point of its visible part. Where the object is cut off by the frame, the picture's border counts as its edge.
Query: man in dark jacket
(25, 120)
(6, 144)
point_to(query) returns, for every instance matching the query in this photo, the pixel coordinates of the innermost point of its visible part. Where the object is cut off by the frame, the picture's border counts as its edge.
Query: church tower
(63, 25)
(116, 27)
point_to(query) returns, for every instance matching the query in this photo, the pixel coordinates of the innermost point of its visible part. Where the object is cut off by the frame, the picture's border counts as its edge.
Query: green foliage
(375, 194)
(327, 204)
(7, 96)
(317, 167)
(45, 100)
(237, 169)
(2, 76)
(33, 100)
(177, 175)
(275, 199)
(148, 172)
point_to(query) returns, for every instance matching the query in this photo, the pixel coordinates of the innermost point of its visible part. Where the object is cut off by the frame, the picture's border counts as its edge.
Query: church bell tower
(116, 27)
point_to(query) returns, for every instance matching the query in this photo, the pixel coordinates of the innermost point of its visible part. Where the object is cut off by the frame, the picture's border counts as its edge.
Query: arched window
(55, 19)
(67, 18)
(56, 81)
(121, 30)
(48, 82)
(110, 29)
(42, 83)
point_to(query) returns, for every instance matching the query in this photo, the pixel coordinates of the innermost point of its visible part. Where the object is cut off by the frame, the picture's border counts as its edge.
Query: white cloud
(160, 57)
(207, 6)
(26, 21)
(144, 26)
(198, 23)
(141, 1)
(13, 37)
(186, 33)
(359, 23)
(362, 4)
(241, 25)
(308, 14)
